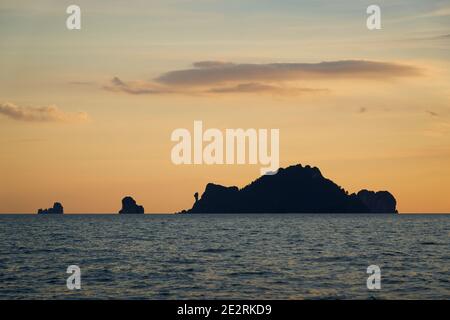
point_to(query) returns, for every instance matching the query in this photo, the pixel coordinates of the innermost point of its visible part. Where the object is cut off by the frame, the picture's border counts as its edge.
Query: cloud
(136, 87)
(140, 87)
(254, 87)
(213, 72)
(430, 38)
(245, 87)
(440, 12)
(219, 77)
(212, 64)
(81, 83)
(443, 36)
(41, 114)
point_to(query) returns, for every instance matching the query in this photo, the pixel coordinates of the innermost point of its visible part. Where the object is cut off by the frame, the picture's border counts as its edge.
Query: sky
(86, 115)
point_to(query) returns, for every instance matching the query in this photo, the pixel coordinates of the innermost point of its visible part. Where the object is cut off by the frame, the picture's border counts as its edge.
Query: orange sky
(86, 116)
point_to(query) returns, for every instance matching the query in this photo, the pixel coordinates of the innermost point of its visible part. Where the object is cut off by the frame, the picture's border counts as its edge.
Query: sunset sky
(86, 115)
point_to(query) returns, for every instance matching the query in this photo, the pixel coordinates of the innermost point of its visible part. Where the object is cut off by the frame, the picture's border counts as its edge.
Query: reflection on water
(224, 256)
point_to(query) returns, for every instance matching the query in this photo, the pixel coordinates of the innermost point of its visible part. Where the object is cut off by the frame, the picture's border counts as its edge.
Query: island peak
(294, 189)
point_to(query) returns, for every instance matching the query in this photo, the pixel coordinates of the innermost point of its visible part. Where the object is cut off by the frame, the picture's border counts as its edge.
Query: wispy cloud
(140, 87)
(443, 11)
(81, 83)
(136, 87)
(254, 87)
(435, 13)
(441, 37)
(41, 114)
(221, 77)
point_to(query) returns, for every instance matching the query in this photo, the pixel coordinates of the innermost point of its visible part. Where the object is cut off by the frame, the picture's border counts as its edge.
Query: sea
(206, 256)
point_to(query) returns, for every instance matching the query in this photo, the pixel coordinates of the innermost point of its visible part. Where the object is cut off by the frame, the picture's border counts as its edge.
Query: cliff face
(217, 198)
(295, 189)
(57, 209)
(129, 206)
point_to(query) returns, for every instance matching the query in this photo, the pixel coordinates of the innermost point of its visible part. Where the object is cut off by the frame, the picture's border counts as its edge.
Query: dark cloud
(40, 114)
(206, 73)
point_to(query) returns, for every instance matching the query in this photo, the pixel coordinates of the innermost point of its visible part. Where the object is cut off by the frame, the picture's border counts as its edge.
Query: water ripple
(225, 256)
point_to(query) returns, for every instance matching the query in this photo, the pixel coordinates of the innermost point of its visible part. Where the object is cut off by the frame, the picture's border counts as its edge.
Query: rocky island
(129, 206)
(295, 189)
(57, 209)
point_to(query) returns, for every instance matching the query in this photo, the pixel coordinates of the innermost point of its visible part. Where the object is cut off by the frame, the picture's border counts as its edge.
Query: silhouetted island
(378, 202)
(295, 189)
(129, 206)
(57, 209)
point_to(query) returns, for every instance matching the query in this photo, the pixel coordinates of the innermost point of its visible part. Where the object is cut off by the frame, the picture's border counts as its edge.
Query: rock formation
(295, 189)
(129, 206)
(57, 209)
(378, 202)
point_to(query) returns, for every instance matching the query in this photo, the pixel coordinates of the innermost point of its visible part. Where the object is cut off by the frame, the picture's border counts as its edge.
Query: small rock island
(57, 209)
(295, 189)
(129, 206)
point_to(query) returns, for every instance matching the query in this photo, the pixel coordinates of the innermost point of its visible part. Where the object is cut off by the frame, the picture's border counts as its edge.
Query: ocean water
(225, 256)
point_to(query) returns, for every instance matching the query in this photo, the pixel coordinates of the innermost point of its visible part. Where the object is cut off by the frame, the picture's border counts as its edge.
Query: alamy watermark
(234, 146)
(374, 280)
(74, 280)
(373, 21)
(73, 21)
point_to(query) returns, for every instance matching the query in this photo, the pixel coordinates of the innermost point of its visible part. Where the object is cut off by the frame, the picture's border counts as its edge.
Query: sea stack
(129, 206)
(378, 202)
(57, 209)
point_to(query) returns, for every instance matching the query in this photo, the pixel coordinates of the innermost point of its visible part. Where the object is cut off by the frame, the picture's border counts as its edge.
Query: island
(56, 209)
(295, 189)
(129, 206)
